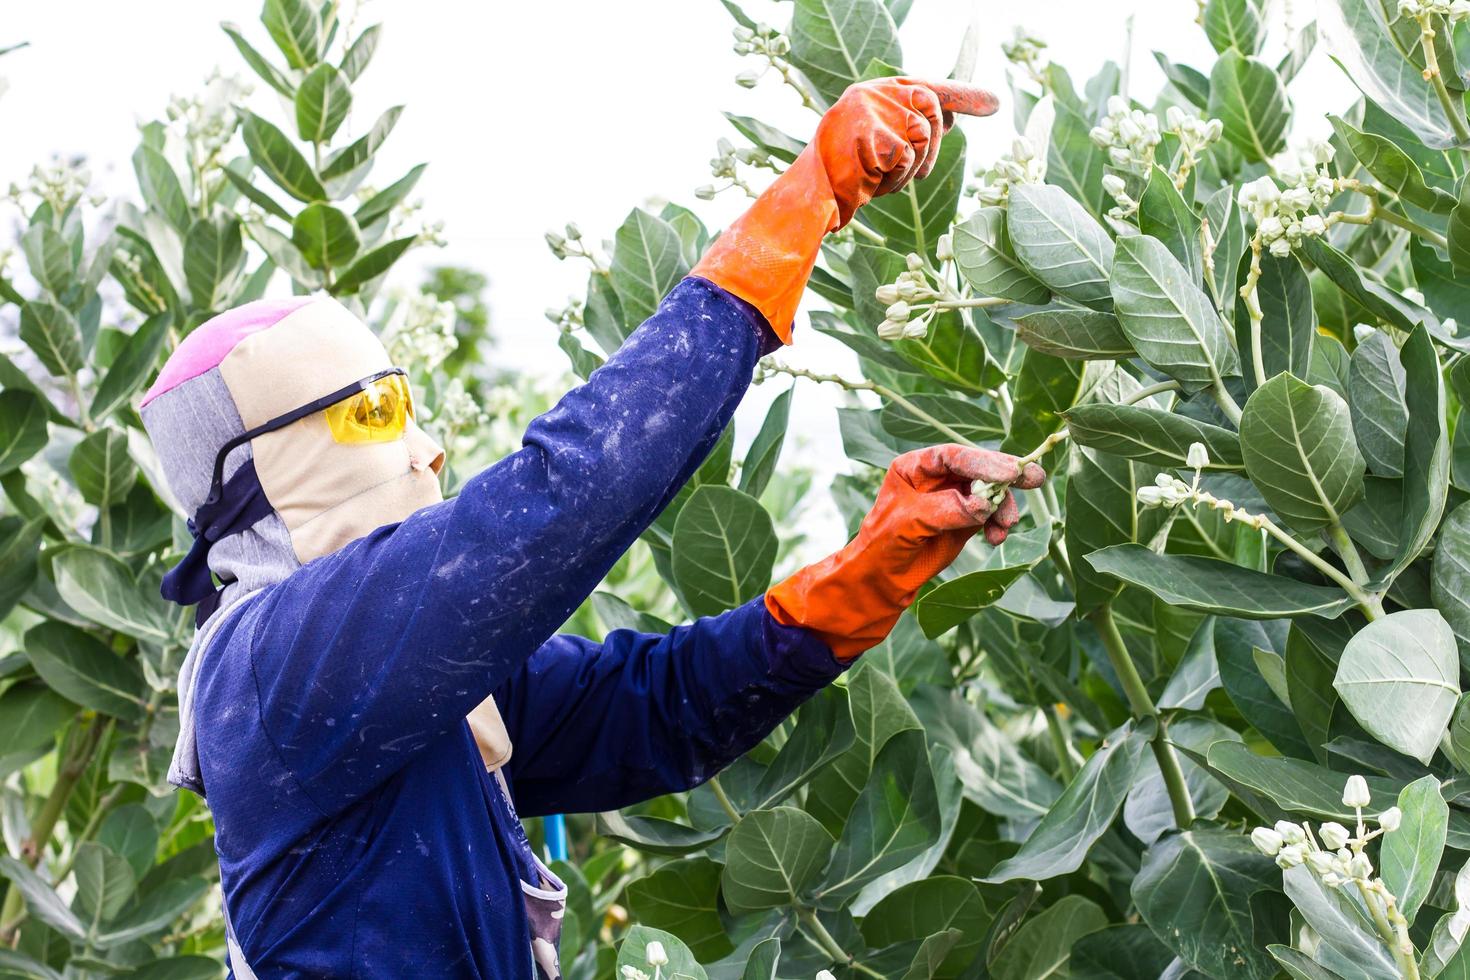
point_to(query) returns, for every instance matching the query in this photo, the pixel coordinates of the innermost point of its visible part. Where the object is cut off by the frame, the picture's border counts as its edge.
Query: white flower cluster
(1024, 49)
(209, 118)
(902, 319)
(1195, 134)
(1455, 10)
(421, 331)
(1339, 858)
(1283, 217)
(1021, 166)
(763, 40)
(1117, 189)
(61, 183)
(1129, 136)
(725, 166)
(568, 244)
(1170, 492)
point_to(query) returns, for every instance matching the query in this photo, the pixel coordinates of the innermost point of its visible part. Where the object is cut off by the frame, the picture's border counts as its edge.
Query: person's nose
(423, 452)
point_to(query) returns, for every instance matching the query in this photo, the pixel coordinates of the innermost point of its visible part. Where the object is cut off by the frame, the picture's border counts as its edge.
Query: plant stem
(1408, 224)
(1059, 743)
(1372, 607)
(1150, 391)
(864, 231)
(882, 391)
(1226, 403)
(725, 802)
(1348, 552)
(830, 945)
(971, 303)
(1253, 307)
(1435, 78)
(1143, 707)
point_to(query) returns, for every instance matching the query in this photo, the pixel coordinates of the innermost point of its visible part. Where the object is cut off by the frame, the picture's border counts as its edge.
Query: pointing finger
(967, 100)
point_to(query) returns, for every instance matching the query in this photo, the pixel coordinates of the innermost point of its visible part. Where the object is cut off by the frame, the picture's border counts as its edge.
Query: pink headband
(212, 341)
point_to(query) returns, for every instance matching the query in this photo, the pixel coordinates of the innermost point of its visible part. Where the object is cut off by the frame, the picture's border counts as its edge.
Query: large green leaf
(131, 368)
(1249, 97)
(895, 819)
(912, 219)
(274, 154)
(102, 468)
(1376, 398)
(1210, 585)
(654, 834)
(759, 464)
(1300, 452)
(30, 714)
(322, 103)
(953, 353)
(1043, 388)
(1042, 947)
(268, 72)
(1194, 890)
(724, 547)
(1060, 244)
(105, 882)
(1365, 287)
(1083, 812)
(1357, 35)
(1294, 785)
(355, 157)
(1450, 580)
(22, 427)
(102, 588)
(1393, 168)
(1236, 24)
(1103, 510)
(41, 899)
(214, 258)
(833, 41)
(647, 263)
(1170, 321)
(377, 207)
(920, 908)
(953, 602)
(1400, 677)
(130, 830)
(773, 858)
(20, 543)
(1151, 435)
(159, 184)
(372, 265)
(1426, 451)
(823, 732)
(296, 28)
(1349, 943)
(52, 334)
(1288, 321)
(633, 954)
(1409, 857)
(155, 911)
(983, 255)
(682, 897)
(1120, 952)
(327, 237)
(1164, 214)
(1063, 330)
(940, 418)
(82, 669)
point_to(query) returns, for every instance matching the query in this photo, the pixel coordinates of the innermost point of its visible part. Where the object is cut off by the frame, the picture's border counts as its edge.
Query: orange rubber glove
(879, 136)
(923, 516)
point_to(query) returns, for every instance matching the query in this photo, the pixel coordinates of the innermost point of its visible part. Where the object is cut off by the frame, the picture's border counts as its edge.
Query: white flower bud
(1360, 867)
(1154, 497)
(825, 975)
(1267, 841)
(1198, 457)
(1450, 326)
(1290, 832)
(1314, 224)
(887, 294)
(1115, 185)
(1101, 135)
(1117, 105)
(898, 312)
(573, 232)
(1281, 248)
(915, 330)
(915, 261)
(655, 954)
(1321, 862)
(1390, 819)
(1291, 855)
(1214, 129)
(944, 249)
(908, 289)
(706, 192)
(742, 33)
(1271, 228)
(890, 331)
(748, 79)
(1119, 157)
(1355, 793)
(1334, 835)
(1174, 117)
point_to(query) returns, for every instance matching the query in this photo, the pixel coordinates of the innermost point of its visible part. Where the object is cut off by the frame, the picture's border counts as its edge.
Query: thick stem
(1432, 73)
(1253, 307)
(1150, 391)
(1143, 706)
(830, 945)
(725, 802)
(1059, 743)
(1372, 607)
(1226, 403)
(1408, 224)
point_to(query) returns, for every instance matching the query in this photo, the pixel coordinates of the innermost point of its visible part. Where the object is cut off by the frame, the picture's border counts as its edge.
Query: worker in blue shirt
(377, 685)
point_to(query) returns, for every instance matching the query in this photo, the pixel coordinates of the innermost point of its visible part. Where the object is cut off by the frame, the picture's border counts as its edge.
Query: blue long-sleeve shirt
(359, 834)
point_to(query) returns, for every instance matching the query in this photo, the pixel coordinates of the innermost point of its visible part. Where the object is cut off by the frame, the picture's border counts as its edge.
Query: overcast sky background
(534, 113)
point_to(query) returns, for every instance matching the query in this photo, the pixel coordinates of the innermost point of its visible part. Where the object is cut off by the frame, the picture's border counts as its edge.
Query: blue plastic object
(556, 837)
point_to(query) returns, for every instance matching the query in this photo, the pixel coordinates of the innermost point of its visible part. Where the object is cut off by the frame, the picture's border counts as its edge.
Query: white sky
(531, 114)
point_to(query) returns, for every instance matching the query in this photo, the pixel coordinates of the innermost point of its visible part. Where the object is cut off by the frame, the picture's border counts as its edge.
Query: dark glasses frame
(216, 486)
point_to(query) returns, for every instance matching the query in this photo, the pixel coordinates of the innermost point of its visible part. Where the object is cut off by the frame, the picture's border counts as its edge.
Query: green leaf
(913, 219)
(157, 910)
(52, 333)
(131, 367)
(1073, 162)
(268, 72)
(1393, 168)
(378, 206)
(286, 256)
(20, 543)
(160, 186)
(1190, 83)
(1171, 322)
(1293, 784)
(940, 418)
(1249, 97)
(1457, 232)
(17, 965)
(41, 899)
(823, 732)
(1364, 287)
(647, 262)
(1120, 952)
(30, 714)
(130, 830)
(1102, 510)
(634, 953)
(1163, 214)
(279, 160)
(296, 29)
(1210, 585)
(357, 58)
(895, 819)
(342, 165)
(1298, 965)
(1042, 946)
(772, 858)
(920, 908)
(833, 41)
(765, 449)
(1350, 941)
(1410, 856)
(1044, 387)
(1151, 435)
(1360, 40)
(22, 427)
(1194, 890)
(983, 255)
(724, 547)
(953, 602)
(1234, 24)
(1376, 397)
(102, 468)
(372, 265)
(1426, 451)
(82, 669)
(102, 589)
(1086, 808)
(322, 103)
(1060, 244)
(778, 144)
(1399, 676)
(654, 834)
(214, 257)
(953, 352)
(682, 897)
(1300, 452)
(1062, 330)
(1301, 50)
(1288, 321)
(327, 238)
(1450, 578)
(1309, 671)
(105, 882)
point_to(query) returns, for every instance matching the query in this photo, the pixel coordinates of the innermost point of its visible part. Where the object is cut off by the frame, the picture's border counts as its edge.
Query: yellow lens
(378, 413)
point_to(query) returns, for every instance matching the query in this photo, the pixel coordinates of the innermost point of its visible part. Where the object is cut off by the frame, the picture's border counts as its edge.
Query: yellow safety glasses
(379, 412)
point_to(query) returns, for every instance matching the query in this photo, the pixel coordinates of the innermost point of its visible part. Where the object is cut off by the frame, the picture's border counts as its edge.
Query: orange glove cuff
(767, 255)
